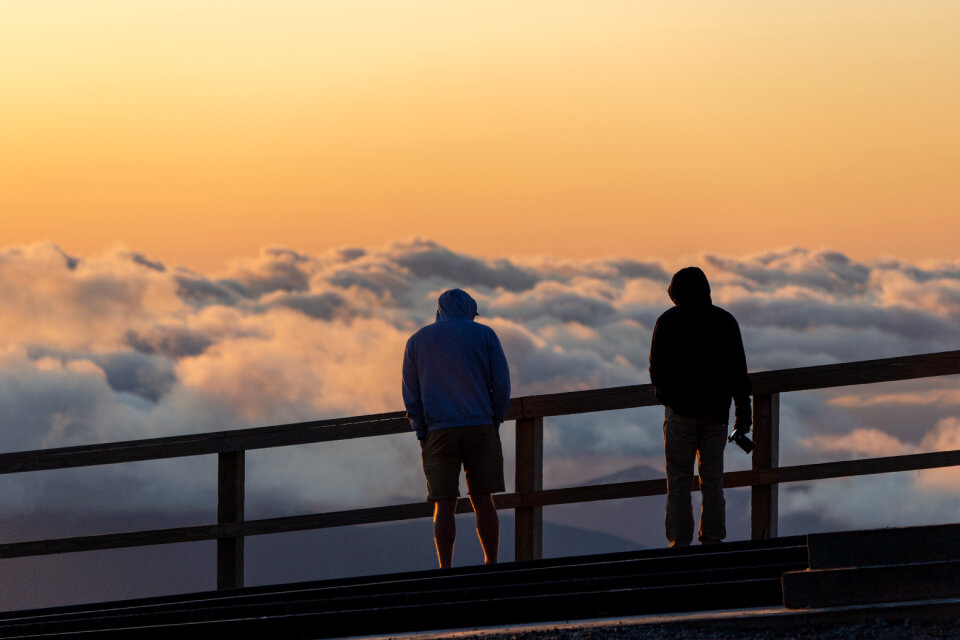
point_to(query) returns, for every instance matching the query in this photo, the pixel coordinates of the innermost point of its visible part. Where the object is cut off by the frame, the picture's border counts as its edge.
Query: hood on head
(689, 286)
(456, 304)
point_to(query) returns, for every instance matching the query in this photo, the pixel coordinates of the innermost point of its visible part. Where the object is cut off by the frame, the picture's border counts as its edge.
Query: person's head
(689, 286)
(456, 304)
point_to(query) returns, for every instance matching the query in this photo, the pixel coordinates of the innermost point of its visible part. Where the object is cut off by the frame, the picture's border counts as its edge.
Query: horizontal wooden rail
(855, 373)
(867, 466)
(411, 511)
(201, 533)
(205, 444)
(554, 404)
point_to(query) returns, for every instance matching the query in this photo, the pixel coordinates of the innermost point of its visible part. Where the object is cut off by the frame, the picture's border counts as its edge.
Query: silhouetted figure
(697, 365)
(456, 388)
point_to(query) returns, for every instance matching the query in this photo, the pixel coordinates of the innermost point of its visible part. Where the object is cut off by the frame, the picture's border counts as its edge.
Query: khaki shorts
(476, 448)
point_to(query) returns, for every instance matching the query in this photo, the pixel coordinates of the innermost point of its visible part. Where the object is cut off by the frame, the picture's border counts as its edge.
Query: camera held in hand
(742, 440)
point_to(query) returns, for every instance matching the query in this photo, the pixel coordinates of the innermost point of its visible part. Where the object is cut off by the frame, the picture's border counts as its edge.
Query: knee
(444, 510)
(483, 504)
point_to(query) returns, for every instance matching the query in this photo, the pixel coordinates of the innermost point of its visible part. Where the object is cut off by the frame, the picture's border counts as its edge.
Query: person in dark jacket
(697, 365)
(456, 388)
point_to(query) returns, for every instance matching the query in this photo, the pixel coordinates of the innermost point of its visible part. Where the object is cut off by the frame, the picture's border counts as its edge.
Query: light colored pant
(684, 441)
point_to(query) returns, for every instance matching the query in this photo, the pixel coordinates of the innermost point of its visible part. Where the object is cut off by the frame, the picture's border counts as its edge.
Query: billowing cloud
(827, 271)
(859, 442)
(875, 501)
(929, 397)
(123, 346)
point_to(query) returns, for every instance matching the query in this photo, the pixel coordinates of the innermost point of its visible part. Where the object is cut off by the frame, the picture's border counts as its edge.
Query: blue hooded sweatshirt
(454, 370)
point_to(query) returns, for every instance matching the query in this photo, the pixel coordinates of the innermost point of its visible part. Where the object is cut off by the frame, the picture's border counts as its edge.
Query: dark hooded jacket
(697, 363)
(454, 371)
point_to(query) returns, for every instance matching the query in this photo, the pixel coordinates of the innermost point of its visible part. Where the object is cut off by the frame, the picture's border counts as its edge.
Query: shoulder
(483, 328)
(720, 312)
(489, 335)
(725, 321)
(476, 332)
(421, 334)
(671, 315)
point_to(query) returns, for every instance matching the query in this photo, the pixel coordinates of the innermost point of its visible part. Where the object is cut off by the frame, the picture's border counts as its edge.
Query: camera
(742, 440)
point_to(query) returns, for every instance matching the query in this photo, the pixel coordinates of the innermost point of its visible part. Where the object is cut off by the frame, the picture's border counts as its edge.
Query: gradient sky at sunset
(225, 214)
(198, 131)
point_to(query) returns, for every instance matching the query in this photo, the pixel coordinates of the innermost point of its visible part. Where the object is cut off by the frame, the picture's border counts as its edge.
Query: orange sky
(196, 131)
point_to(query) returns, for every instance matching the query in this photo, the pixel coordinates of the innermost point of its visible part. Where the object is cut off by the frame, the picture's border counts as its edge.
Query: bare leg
(488, 526)
(445, 530)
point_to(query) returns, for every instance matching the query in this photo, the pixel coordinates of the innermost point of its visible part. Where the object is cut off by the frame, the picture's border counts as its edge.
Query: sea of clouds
(123, 346)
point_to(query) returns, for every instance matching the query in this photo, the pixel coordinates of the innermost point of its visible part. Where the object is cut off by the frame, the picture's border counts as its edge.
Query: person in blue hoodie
(456, 389)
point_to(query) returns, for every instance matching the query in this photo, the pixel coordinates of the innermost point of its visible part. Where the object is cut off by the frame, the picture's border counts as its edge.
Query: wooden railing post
(766, 455)
(528, 520)
(230, 498)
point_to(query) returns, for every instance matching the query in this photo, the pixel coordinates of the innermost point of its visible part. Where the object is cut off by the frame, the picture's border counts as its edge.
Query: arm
(499, 383)
(658, 363)
(411, 392)
(741, 387)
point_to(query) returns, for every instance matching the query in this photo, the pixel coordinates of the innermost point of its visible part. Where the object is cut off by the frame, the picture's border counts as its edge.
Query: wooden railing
(527, 500)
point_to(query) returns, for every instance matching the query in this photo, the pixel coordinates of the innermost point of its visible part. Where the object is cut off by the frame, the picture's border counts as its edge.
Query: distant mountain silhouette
(630, 474)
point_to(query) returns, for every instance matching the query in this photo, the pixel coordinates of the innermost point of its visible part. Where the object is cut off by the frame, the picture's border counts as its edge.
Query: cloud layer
(123, 346)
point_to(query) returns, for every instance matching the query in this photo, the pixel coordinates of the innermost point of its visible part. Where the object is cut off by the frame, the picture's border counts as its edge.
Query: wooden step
(818, 588)
(722, 576)
(884, 546)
